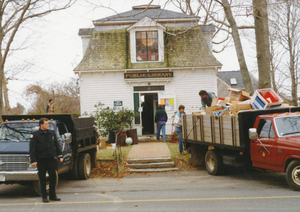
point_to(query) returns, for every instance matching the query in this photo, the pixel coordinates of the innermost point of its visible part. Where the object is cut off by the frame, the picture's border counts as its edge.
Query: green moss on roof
(110, 50)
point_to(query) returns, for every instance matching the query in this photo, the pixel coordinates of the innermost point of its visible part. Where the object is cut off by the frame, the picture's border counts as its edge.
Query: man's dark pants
(45, 165)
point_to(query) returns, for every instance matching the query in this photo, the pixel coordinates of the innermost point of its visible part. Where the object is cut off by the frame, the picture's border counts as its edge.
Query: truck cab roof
(277, 115)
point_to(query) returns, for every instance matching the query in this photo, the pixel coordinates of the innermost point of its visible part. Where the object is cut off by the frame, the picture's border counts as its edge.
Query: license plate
(2, 177)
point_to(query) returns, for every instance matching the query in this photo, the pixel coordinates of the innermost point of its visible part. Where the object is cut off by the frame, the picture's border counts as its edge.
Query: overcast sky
(53, 48)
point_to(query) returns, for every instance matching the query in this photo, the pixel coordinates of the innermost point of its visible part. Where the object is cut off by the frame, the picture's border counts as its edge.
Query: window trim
(146, 46)
(160, 38)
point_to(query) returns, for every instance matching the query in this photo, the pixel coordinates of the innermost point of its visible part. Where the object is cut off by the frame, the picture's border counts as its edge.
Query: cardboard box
(220, 112)
(285, 105)
(227, 99)
(214, 102)
(209, 110)
(102, 144)
(235, 108)
(238, 95)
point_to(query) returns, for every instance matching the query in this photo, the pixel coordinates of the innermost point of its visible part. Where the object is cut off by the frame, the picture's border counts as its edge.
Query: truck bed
(224, 131)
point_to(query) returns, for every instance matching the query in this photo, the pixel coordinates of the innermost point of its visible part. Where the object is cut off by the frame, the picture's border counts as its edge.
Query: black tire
(74, 172)
(93, 155)
(36, 187)
(213, 162)
(293, 175)
(84, 166)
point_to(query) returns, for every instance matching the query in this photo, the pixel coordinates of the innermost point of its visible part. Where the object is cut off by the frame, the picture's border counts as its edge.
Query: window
(233, 81)
(265, 129)
(147, 46)
(288, 126)
(146, 41)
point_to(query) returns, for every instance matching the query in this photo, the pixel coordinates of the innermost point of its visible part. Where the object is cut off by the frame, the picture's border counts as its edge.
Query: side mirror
(253, 133)
(68, 138)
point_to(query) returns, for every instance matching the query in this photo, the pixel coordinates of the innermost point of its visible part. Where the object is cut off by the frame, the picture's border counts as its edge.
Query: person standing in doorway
(206, 98)
(44, 149)
(50, 107)
(178, 127)
(161, 118)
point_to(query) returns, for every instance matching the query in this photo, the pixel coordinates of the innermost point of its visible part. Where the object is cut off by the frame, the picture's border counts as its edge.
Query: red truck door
(263, 149)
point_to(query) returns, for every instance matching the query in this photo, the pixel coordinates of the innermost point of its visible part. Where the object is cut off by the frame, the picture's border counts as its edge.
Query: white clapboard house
(145, 57)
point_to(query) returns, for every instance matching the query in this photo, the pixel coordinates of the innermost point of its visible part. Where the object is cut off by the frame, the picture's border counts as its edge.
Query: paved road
(240, 190)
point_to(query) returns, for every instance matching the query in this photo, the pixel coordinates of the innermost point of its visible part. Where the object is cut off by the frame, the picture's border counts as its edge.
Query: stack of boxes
(238, 100)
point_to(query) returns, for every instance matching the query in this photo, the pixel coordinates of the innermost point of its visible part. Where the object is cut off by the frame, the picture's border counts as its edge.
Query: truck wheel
(93, 155)
(84, 166)
(293, 175)
(213, 162)
(74, 172)
(36, 188)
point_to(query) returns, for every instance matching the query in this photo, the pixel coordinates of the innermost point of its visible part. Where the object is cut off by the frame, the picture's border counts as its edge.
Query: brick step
(153, 170)
(151, 165)
(148, 160)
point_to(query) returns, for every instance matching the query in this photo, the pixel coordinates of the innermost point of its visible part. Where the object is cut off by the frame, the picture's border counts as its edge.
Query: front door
(148, 112)
(263, 151)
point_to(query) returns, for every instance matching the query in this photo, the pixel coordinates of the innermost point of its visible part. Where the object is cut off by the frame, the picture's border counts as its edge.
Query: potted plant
(111, 122)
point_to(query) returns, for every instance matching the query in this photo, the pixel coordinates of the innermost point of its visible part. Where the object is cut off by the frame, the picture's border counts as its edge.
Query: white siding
(104, 88)
(187, 84)
(110, 86)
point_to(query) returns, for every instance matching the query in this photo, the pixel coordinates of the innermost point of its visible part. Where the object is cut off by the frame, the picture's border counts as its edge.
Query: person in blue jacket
(161, 118)
(178, 127)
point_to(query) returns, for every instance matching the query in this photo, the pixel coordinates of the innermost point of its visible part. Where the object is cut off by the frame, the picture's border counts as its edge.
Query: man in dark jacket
(44, 149)
(161, 118)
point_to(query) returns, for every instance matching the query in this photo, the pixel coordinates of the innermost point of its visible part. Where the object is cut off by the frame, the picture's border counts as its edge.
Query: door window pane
(265, 129)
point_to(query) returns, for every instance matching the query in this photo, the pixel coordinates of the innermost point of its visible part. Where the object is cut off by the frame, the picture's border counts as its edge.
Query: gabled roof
(227, 75)
(146, 22)
(139, 12)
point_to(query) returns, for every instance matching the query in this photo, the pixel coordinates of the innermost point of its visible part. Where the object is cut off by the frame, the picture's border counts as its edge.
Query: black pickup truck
(77, 138)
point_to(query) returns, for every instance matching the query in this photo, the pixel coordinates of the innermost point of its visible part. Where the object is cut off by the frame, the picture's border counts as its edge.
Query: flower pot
(132, 133)
(121, 137)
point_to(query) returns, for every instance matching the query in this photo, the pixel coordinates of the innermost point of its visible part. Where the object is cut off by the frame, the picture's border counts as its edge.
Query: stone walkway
(149, 150)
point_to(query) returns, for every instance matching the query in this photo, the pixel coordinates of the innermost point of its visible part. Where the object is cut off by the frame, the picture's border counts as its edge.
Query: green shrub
(107, 119)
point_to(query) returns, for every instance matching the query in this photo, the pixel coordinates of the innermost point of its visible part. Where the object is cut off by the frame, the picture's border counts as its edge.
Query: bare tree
(220, 14)
(238, 46)
(13, 15)
(286, 31)
(65, 96)
(260, 10)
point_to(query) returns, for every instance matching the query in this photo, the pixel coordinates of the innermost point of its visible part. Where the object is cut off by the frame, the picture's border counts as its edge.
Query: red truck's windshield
(288, 126)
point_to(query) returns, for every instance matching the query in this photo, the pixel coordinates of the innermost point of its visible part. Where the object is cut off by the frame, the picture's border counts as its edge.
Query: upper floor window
(146, 41)
(146, 46)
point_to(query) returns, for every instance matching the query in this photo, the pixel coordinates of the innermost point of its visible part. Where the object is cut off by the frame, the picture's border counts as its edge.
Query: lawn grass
(174, 149)
(109, 153)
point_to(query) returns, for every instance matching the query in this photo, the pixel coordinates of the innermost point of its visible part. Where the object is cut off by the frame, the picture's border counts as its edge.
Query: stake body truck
(76, 136)
(266, 139)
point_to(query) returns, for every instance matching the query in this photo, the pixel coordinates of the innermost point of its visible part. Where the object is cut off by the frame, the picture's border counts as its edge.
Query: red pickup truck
(267, 139)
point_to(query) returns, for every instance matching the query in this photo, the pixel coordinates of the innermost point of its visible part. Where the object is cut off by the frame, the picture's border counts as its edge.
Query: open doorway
(149, 109)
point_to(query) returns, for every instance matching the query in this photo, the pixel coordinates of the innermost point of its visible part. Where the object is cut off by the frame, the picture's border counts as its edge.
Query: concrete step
(153, 170)
(148, 160)
(151, 165)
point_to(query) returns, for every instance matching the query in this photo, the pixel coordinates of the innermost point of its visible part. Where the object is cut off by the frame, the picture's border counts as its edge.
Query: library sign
(166, 74)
